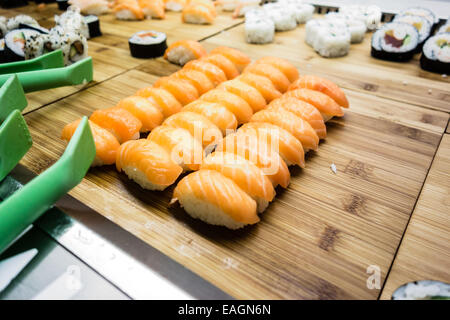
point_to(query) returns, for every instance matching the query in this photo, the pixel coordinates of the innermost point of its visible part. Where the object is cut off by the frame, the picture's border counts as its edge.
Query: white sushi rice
(141, 179)
(438, 47)
(445, 28)
(356, 27)
(180, 55)
(174, 6)
(370, 15)
(157, 37)
(13, 23)
(73, 21)
(328, 37)
(125, 14)
(283, 18)
(259, 31)
(208, 212)
(34, 46)
(421, 12)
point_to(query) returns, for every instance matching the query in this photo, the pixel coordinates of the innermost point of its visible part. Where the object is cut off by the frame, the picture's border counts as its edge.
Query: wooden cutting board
(319, 236)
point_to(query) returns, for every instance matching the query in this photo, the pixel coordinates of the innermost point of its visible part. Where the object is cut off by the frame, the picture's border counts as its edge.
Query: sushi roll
(259, 30)
(15, 42)
(420, 23)
(175, 5)
(327, 107)
(182, 147)
(423, 290)
(148, 164)
(445, 28)
(93, 23)
(279, 139)
(217, 113)
(287, 120)
(395, 41)
(120, 122)
(74, 47)
(370, 15)
(13, 23)
(198, 126)
(63, 4)
(91, 7)
(197, 13)
(73, 21)
(2, 51)
(128, 10)
(35, 28)
(260, 153)
(245, 174)
(34, 46)
(323, 85)
(356, 27)
(106, 145)
(436, 54)
(141, 108)
(182, 51)
(283, 18)
(421, 12)
(147, 44)
(153, 9)
(330, 38)
(238, 106)
(197, 194)
(303, 12)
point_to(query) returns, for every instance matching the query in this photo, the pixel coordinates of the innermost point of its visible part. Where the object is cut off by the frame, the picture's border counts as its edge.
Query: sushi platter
(357, 200)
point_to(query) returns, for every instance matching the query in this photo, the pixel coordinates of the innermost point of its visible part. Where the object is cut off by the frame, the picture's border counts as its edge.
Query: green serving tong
(24, 206)
(49, 60)
(77, 73)
(15, 141)
(12, 97)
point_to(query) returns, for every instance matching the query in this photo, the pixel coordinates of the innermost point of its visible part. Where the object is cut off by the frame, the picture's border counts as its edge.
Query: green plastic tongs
(47, 72)
(23, 206)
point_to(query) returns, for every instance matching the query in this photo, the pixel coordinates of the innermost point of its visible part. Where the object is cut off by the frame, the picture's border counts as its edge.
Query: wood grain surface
(318, 237)
(425, 250)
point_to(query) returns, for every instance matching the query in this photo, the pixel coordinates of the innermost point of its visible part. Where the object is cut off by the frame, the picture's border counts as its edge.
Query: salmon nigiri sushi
(327, 107)
(181, 89)
(279, 80)
(216, 113)
(128, 10)
(120, 122)
(289, 148)
(198, 126)
(259, 153)
(214, 73)
(303, 110)
(240, 59)
(298, 127)
(148, 164)
(176, 5)
(198, 79)
(287, 68)
(198, 13)
(162, 98)
(182, 51)
(253, 97)
(215, 199)
(153, 8)
(106, 144)
(180, 144)
(141, 108)
(245, 174)
(238, 106)
(323, 85)
(224, 64)
(262, 84)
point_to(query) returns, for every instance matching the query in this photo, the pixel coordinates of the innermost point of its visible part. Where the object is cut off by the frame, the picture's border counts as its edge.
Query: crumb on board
(429, 91)
(404, 83)
(444, 75)
(333, 168)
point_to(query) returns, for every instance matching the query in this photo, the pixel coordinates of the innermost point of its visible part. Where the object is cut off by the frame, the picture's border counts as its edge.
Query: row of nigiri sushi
(237, 180)
(151, 105)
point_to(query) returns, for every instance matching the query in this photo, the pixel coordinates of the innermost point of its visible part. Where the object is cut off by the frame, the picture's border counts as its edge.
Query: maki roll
(357, 27)
(63, 4)
(445, 28)
(422, 25)
(74, 47)
(73, 21)
(93, 23)
(2, 51)
(15, 42)
(259, 28)
(423, 290)
(147, 44)
(421, 12)
(329, 37)
(370, 15)
(283, 18)
(34, 46)
(35, 28)
(15, 22)
(436, 54)
(395, 41)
